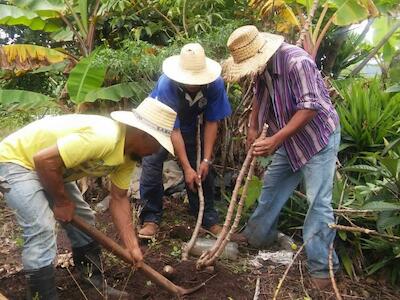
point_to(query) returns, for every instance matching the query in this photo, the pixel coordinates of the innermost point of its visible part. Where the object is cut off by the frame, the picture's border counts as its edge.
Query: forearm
(297, 122)
(121, 213)
(49, 166)
(210, 136)
(179, 147)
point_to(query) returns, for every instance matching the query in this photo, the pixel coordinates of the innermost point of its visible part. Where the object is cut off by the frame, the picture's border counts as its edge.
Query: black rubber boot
(41, 284)
(88, 261)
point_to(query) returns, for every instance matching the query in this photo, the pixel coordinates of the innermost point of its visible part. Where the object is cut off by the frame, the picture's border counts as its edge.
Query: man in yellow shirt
(40, 163)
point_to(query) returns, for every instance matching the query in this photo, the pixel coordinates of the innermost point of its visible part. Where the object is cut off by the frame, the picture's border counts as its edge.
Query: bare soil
(229, 280)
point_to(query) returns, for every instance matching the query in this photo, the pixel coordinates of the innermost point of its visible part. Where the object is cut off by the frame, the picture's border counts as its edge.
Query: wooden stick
(331, 274)
(190, 244)
(122, 253)
(206, 256)
(363, 230)
(222, 246)
(2, 297)
(287, 271)
(228, 218)
(257, 290)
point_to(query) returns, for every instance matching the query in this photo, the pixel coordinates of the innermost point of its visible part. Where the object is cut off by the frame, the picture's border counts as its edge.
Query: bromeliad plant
(368, 115)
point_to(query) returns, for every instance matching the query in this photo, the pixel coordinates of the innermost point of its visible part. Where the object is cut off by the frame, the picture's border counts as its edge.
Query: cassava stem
(208, 258)
(190, 244)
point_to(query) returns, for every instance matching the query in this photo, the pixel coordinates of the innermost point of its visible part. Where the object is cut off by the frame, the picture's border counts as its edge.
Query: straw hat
(152, 117)
(191, 66)
(250, 50)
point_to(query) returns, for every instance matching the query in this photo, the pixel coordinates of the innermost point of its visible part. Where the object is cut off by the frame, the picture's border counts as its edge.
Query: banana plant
(61, 17)
(337, 12)
(84, 84)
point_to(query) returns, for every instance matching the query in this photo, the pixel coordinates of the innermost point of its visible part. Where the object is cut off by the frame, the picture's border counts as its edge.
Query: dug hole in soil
(229, 280)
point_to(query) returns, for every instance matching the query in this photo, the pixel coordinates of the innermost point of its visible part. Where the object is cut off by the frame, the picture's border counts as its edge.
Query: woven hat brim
(233, 72)
(129, 118)
(172, 68)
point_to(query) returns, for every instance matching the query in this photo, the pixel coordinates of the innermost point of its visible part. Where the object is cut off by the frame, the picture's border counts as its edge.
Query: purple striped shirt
(297, 84)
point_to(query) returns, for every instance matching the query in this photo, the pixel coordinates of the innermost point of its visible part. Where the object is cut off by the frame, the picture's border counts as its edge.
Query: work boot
(41, 284)
(148, 230)
(87, 259)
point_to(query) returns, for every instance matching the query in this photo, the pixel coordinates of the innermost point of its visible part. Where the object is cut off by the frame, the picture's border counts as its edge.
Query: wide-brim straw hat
(191, 67)
(152, 117)
(250, 50)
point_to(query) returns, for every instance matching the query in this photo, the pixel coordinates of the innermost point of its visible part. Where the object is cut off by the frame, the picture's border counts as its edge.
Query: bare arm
(191, 177)
(121, 213)
(210, 136)
(179, 147)
(49, 165)
(268, 145)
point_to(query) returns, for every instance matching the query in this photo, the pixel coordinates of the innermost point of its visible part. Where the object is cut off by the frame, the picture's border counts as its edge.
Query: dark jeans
(151, 186)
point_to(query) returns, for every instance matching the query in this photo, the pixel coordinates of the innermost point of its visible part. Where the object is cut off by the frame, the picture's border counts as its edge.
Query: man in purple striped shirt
(303, 137)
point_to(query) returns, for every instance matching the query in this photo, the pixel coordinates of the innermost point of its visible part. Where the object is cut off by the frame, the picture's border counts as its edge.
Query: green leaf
(350, 11)
(360, 169)
(253, 192)
(63, 35)
(44, 8)
(346, 261)
(83, 10)
(114, 92)
(393, 166)
(55, 68)
(389, 222)
(12, 15)
(342, 235)
(390, 146)
(377, 266)
(84, 78)
(381, 206)
(20, 99)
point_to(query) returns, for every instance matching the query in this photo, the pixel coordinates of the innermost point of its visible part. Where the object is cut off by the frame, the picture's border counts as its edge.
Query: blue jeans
(32, 207)
(279, 183)
(152, 191)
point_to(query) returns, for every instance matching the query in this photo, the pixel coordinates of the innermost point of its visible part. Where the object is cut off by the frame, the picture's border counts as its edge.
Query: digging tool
(122, 253)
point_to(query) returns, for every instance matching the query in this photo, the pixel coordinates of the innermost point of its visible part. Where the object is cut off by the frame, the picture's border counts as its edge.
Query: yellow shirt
(89, 145)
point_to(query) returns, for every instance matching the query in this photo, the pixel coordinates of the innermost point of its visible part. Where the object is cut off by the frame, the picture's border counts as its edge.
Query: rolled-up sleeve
(305, 80)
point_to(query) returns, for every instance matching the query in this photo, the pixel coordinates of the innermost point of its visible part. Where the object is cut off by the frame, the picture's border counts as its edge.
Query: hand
(266, 146)
(192, 179)
(137, 256)
(251, 137)
(64, 210)
(203, 170)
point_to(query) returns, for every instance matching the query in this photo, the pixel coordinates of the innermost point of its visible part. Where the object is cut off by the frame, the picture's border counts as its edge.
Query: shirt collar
(199, 95)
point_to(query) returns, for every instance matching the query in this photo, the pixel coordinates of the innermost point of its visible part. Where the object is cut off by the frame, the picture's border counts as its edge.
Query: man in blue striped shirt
(303, 137)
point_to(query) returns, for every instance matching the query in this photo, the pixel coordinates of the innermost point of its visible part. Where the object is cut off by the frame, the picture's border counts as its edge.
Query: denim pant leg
(30, 203)
(151, 186)
(210, 216)
(318, 175)
(279, 183)
(82, 210)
